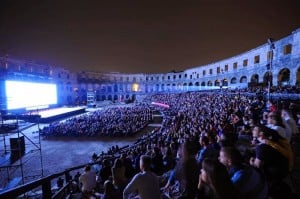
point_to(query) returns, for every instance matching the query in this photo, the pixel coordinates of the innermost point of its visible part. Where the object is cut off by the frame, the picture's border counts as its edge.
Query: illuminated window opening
(135, 87)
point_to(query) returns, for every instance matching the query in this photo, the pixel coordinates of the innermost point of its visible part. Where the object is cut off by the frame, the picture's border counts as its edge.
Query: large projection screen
(29, 94)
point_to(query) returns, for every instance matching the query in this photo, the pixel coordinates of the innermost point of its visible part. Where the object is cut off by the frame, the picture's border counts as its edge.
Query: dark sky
(138, 36)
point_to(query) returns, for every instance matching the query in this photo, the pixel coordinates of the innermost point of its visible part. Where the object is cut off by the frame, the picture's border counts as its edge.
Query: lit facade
(277, 64)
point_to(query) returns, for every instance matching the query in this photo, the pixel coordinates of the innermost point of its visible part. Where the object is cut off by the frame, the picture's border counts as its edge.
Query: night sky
(138, 36)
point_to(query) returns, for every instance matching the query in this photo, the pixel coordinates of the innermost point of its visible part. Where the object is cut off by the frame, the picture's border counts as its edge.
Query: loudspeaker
(17, 147)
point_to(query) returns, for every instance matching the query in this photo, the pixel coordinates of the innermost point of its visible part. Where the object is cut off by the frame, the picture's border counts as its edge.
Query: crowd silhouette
(116, 121)
(210, 145)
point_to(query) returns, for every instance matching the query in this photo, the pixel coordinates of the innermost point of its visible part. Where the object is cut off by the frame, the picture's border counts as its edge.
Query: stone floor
(49, 156)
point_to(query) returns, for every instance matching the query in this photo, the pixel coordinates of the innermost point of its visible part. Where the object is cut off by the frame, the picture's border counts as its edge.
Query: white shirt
(147, 185)
(88, 180)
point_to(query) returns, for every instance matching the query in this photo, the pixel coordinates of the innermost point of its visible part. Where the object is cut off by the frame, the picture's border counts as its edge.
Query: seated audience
(145, 184)
(206, 151)
(290, 122)
(214, 181)
(249, 181)
(275, 157)
(110, 192)
(186, 172)
(275, 122)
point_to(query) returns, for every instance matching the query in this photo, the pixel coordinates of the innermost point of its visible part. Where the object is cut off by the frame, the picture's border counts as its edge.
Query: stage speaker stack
(17, 147)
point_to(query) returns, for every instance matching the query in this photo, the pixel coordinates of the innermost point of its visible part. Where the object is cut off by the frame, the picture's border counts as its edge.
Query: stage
(41, 116)
(59, 113)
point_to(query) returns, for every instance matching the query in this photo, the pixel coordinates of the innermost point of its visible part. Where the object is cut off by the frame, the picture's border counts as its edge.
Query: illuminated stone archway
(268, 77)
(217, 83)
(115, 97)
(224, 82)
(254, 79)
(284, 77)
(233, 80)
(243, 79)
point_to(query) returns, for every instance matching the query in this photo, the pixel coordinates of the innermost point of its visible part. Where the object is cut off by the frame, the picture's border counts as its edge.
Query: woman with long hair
(118, 174)
(186, 171)
(214, 181)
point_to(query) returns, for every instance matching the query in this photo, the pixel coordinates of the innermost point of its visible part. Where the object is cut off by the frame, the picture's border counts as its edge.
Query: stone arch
(115, 97)
(190, 84)
(197, 84)
(225, 82)
(284, 77)
(233, 80)
(109, 97)
(103, 97)
(254, 79)
(217, 82)
(202, 83)
(179, 86)
(268, 77)
(243, 79)
(209, 83)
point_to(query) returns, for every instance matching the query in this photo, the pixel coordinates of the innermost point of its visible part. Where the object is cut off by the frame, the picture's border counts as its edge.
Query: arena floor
(58, 154)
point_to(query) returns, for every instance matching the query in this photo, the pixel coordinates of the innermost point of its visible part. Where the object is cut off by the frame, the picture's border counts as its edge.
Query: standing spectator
(128, 164)
(105, 171)
(88, 180)
(118, 174)
(145, 183)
